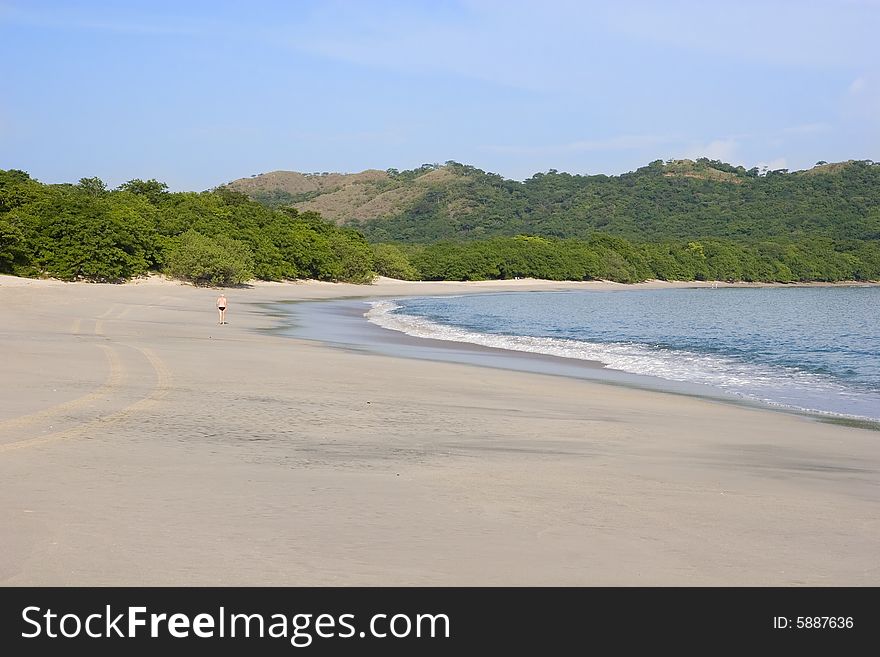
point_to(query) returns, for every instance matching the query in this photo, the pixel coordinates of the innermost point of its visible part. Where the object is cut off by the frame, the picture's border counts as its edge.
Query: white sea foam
(762, 382)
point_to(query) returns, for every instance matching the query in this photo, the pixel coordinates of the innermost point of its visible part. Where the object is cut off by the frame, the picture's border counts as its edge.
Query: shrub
(390, 260)
(353, 257)
(206, 261)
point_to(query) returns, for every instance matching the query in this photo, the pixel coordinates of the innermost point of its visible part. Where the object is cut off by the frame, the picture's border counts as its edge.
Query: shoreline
(143, 444)
(341, 324)
(382, 282)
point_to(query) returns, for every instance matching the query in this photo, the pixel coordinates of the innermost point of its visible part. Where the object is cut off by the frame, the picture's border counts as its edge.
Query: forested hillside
(675, 221)
(673, 200)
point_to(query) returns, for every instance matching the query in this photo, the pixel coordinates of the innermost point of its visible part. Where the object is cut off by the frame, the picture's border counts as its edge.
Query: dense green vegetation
(677, 200)
(206, 261)
(821, 226)
(88, 232)
(614, 258)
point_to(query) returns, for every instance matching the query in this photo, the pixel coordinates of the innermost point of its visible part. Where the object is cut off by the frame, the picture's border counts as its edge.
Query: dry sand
(142, 444)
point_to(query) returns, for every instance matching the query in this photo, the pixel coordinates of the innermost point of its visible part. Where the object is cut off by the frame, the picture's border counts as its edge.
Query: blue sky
(199, 93)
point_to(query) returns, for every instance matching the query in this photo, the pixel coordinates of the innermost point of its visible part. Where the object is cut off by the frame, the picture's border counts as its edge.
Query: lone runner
(221, 308)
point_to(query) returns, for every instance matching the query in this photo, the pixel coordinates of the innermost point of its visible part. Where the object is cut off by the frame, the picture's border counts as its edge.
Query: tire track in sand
(160, 390)
(115, 378)
(114, 383)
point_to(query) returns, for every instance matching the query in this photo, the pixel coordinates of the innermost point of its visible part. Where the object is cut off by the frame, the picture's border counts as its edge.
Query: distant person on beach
(221, 308)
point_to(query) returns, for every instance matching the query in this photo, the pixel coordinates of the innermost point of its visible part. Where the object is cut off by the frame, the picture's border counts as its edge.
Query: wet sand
(143, 444)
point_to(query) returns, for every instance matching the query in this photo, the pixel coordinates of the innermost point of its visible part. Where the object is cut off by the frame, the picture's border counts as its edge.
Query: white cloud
(618, 143)
(858, 86)
(622, 142)
(773, 165)
(862, 100)
(805, 34)
(807, 128)
(718, 149)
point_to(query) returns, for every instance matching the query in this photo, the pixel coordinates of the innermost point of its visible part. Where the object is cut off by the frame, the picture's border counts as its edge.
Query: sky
(199, 93)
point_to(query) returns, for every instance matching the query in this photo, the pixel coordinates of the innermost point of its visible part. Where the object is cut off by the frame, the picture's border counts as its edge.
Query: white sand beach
(143, 444)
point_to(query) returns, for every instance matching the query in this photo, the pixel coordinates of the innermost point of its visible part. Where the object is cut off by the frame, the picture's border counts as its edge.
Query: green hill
(679, 220)
(676, 199)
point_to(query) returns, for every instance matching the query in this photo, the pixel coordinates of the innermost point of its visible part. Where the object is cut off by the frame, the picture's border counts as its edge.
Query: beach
(143, 444)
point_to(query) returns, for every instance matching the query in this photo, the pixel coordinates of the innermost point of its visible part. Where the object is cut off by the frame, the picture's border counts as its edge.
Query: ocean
(814, 349)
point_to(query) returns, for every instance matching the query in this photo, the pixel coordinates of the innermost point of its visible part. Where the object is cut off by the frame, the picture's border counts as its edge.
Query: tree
(152, 189)
(206, 261)
(11, 246)
(353, 256)
(391, 261)
(93, 186)
(231, 196)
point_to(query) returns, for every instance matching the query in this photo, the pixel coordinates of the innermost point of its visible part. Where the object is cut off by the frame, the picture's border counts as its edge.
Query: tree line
(85, 231)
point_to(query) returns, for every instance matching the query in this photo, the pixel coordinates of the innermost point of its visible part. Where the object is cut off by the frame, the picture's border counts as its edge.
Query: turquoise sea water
(814, 349)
